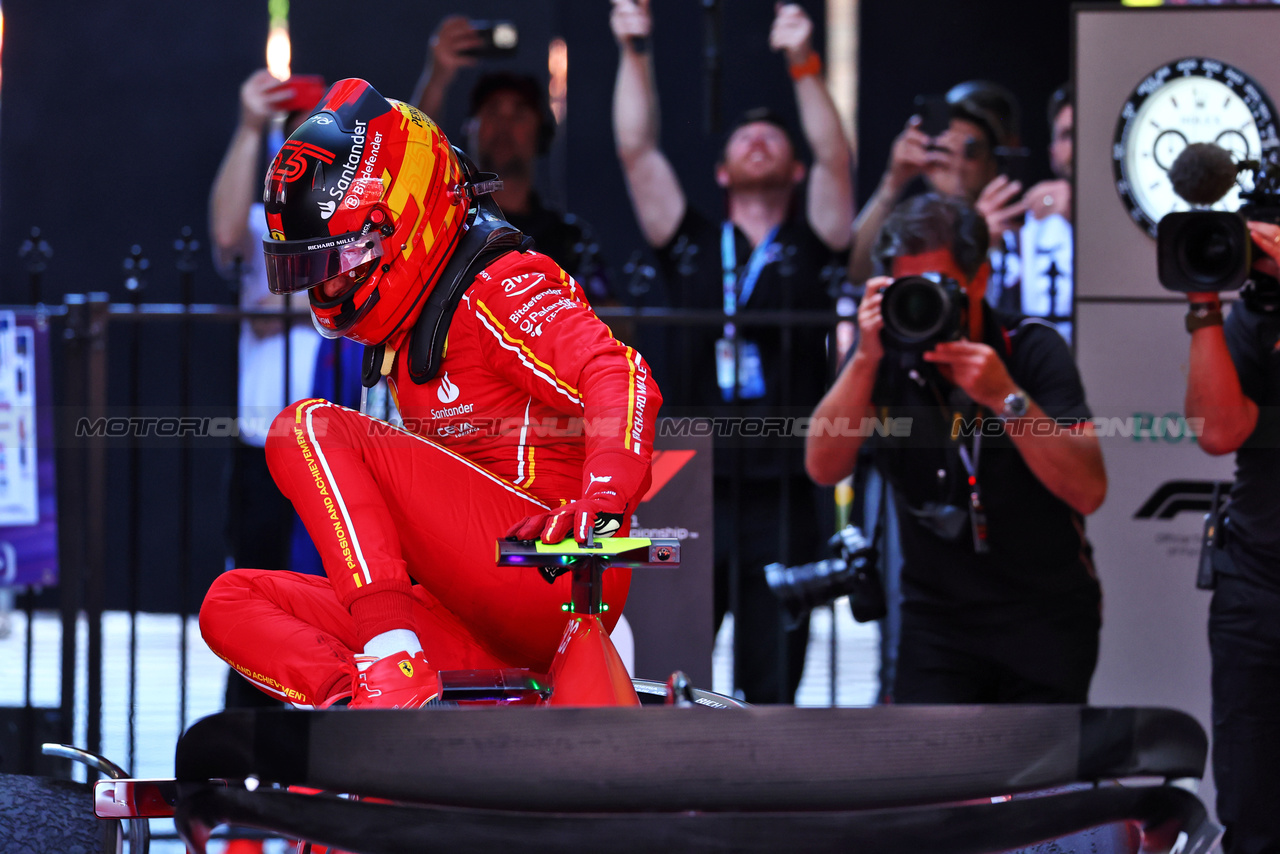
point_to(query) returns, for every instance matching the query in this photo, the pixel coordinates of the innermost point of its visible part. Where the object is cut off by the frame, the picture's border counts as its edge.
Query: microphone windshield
(1203, 173)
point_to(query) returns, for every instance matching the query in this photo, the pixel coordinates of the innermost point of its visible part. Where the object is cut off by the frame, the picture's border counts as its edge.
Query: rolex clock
(1190, 100)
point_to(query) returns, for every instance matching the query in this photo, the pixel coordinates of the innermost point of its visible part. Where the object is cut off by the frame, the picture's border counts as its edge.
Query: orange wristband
(811, 67)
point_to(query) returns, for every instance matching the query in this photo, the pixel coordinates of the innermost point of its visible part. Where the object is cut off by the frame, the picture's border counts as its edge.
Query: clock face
(1191, 100)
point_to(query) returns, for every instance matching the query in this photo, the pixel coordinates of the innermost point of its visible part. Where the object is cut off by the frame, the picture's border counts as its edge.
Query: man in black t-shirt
(774, 251)
(509, 126)
(1233, 384)
(992, 479)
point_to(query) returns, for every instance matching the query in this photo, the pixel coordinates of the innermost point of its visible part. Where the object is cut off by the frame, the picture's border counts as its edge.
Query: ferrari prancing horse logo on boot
(406, 667)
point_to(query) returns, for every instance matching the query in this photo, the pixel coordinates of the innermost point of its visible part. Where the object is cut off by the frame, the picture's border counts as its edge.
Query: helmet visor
(299, 265)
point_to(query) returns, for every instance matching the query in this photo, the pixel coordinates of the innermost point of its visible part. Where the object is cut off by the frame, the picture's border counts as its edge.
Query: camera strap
(878, 526)
(977, 513)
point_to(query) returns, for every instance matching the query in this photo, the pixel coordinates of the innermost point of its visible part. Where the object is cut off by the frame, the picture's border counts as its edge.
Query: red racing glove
(612, 479)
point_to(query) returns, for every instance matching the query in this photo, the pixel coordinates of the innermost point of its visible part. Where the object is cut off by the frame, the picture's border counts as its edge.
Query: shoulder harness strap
(488, 238)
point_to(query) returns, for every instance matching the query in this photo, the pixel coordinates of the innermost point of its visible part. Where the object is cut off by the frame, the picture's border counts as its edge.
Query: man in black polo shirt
(773, 251)
(1000, 600)
(1233, 383)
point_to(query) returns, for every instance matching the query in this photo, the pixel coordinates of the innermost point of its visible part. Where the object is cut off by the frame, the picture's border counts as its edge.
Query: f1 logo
(1176, 496)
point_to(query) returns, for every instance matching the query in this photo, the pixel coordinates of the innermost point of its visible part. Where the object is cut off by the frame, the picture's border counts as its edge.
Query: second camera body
(1203, 251)
(1211, 251)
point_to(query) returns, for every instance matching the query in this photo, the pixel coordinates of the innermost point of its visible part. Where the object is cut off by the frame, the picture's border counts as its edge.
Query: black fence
(140, 516)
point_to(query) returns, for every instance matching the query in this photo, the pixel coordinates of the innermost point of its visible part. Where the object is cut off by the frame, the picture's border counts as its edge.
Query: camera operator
(1233, 383)
(1000, 600)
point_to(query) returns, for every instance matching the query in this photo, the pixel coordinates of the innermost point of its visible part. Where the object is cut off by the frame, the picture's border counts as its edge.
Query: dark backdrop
(113, 121)
(114, 118)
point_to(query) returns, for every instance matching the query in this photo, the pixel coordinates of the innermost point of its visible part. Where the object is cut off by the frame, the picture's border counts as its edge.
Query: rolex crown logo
(406, 667)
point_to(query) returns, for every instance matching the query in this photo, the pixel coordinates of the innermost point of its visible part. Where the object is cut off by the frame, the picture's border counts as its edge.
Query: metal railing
(96, 376)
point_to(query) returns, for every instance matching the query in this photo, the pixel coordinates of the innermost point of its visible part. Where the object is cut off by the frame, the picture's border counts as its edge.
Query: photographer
(1000, 600)
(1233, 384)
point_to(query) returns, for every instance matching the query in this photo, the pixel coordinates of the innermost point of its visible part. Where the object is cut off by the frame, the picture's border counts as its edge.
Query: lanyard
(738, 291)
(971, 464)
(977, 513)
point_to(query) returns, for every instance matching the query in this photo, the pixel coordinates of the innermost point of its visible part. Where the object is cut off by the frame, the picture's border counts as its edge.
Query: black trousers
(259, 536)
(1049, 660)
(768, 657)
(1244, 641)
(259, 517)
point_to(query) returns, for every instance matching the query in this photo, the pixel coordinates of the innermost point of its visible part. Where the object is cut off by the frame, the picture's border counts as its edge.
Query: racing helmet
(365, 202)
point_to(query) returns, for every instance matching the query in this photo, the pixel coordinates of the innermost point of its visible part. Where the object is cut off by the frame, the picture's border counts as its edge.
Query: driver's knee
(301, 426)
(223, 603)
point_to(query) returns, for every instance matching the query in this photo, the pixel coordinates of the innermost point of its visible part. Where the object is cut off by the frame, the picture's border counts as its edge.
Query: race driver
(525, 418)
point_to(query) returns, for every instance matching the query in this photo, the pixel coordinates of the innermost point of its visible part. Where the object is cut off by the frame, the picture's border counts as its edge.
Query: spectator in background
(260, 517)
(261, 521)
(509, 127)
(1046, 239)
(1000, 601)
(966, 160)
(776, 249)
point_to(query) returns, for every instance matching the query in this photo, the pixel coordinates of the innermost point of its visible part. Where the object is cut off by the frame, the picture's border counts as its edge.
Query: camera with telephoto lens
(1206, 251)
(805, 587)
(920, 311)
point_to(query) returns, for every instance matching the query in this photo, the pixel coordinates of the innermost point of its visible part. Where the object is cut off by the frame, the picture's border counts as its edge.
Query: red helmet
(365, 202)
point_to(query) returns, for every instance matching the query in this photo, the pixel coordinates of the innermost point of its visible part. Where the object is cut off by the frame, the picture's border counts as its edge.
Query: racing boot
(400, 681)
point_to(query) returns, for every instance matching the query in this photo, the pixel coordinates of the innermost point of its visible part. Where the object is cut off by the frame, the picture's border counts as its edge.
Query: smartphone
(499, 38)
(305, 91)
(1012, 162)
(934, 113)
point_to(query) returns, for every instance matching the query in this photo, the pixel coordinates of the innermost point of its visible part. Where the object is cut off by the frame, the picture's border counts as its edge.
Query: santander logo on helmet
(364, 209)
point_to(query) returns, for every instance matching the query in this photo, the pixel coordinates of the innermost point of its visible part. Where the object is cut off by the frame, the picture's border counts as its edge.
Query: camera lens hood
(920, 311)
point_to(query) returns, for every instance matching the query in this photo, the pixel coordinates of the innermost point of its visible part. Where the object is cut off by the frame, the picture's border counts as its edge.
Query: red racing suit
(533, 405)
